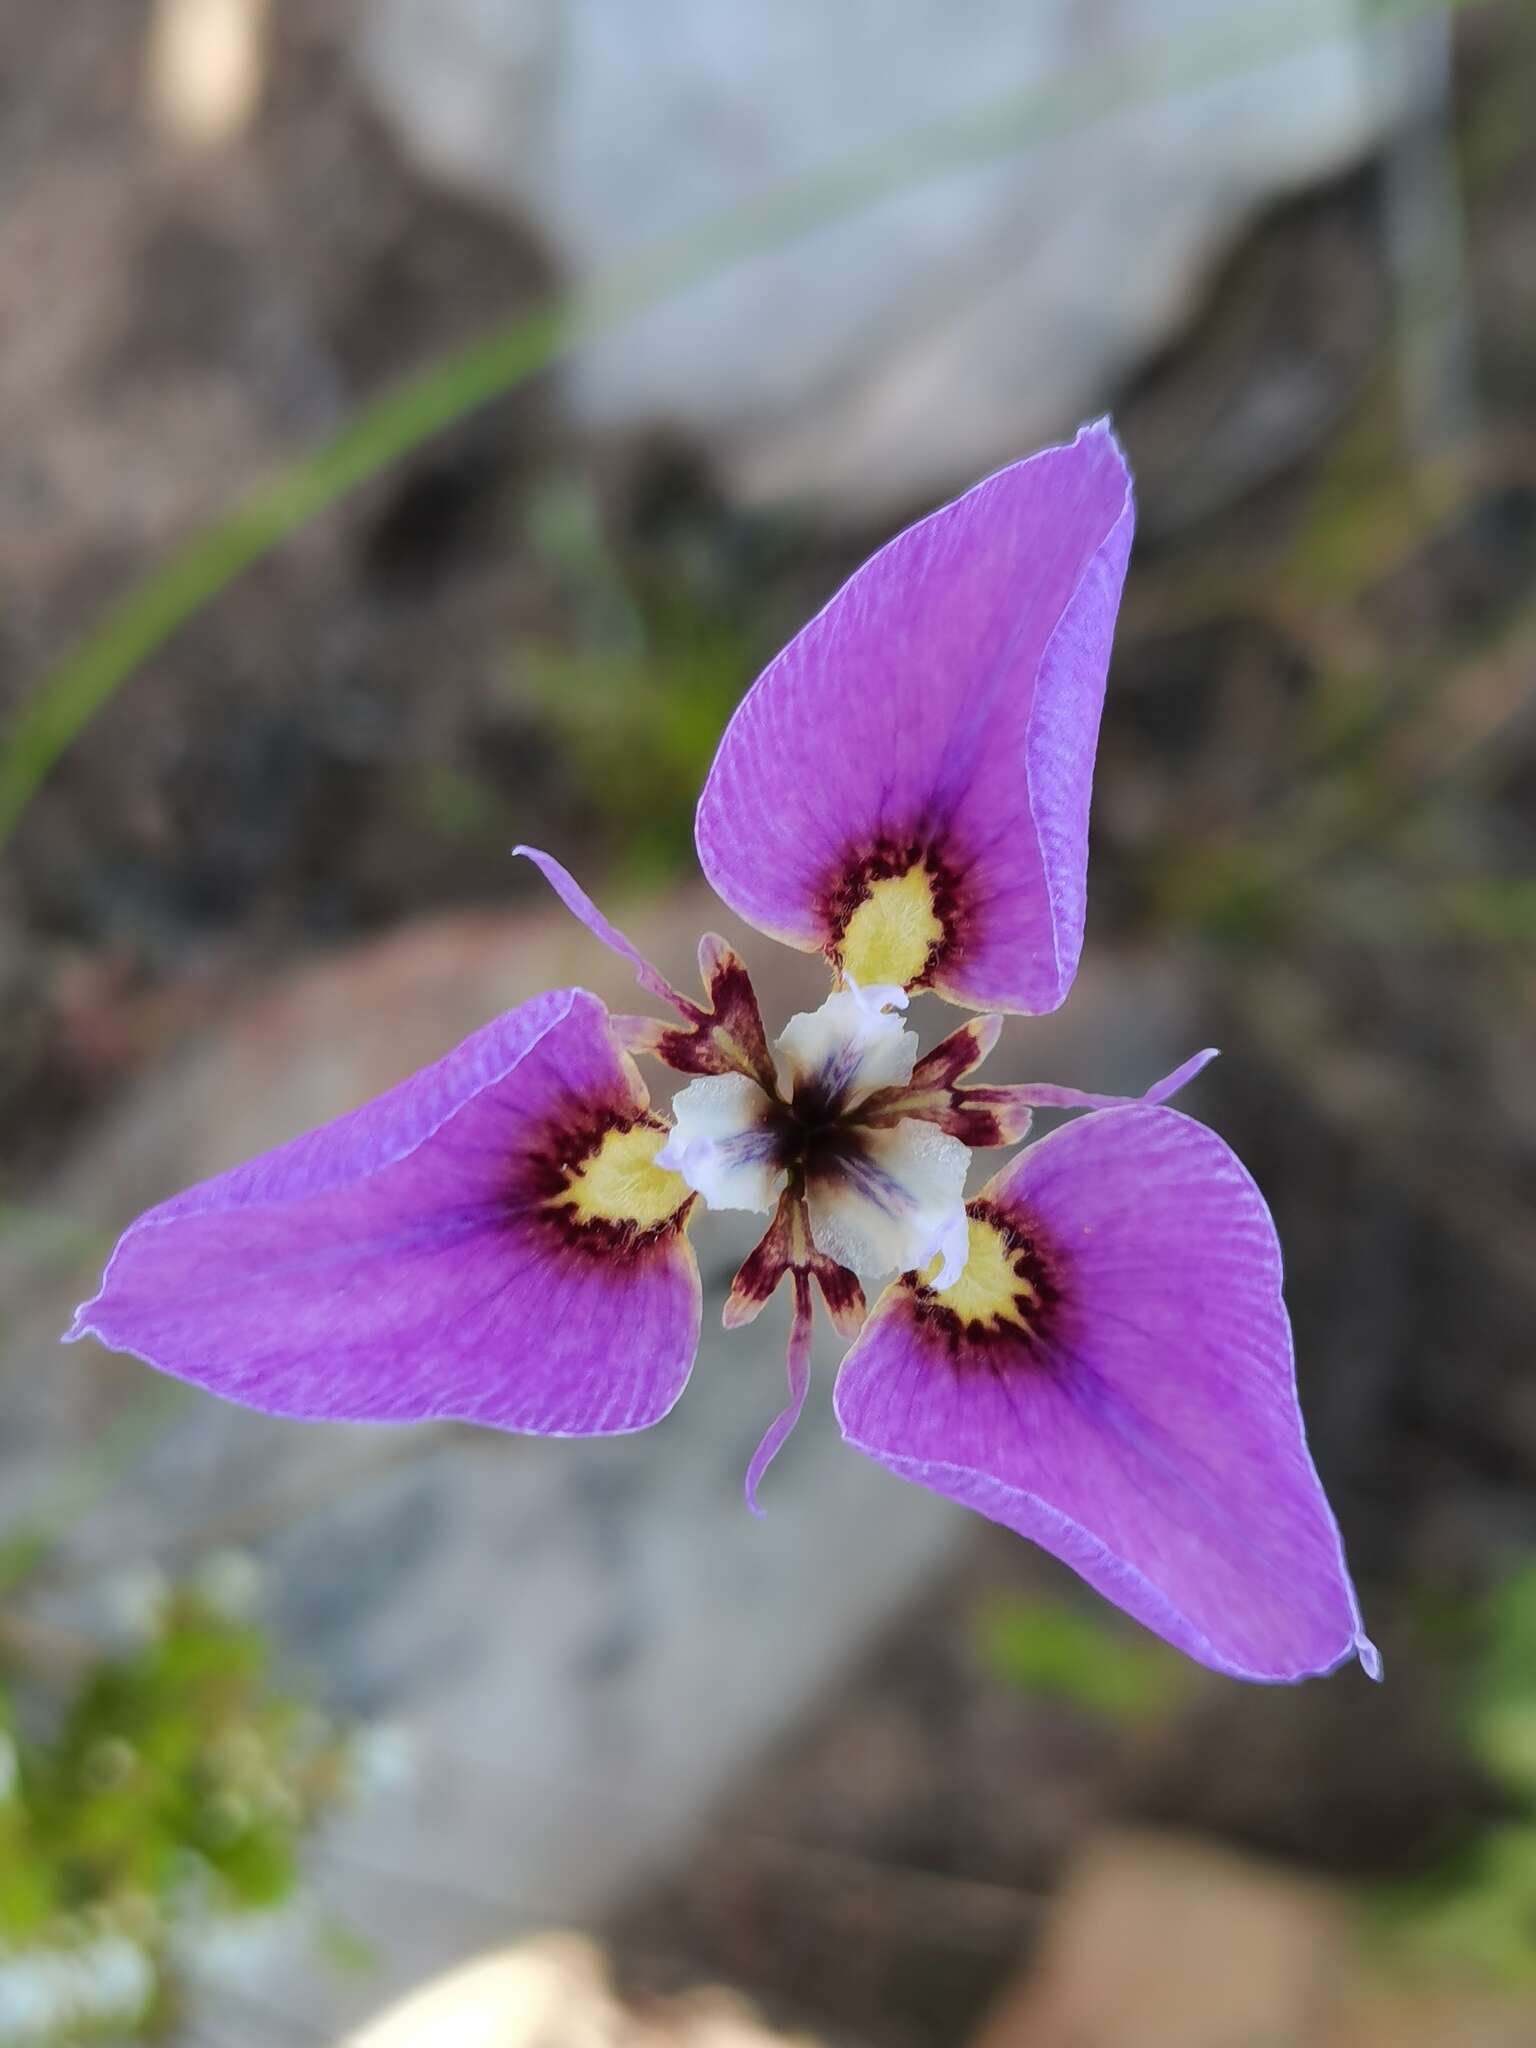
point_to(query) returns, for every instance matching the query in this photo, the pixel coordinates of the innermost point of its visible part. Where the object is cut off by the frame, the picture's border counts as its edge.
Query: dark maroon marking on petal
(763, 1268)
(568, 1146)
(733, 999)
(980, 1117)
(545, 1178)
(844, 1297)
(786, 1247)
(728, 1036)
(887, 861)
(963, 1050)
(600, 1237)
(1038, 1302)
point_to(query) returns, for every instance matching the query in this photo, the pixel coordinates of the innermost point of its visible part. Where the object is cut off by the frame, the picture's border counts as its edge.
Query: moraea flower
(1093, 1350)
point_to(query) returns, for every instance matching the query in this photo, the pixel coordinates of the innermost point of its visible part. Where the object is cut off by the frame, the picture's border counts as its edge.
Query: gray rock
(895, 353)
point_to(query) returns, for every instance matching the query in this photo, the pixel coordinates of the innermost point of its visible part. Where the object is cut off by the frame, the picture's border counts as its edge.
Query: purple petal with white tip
(1112, 1377)
(487, 1241)
(906, 786)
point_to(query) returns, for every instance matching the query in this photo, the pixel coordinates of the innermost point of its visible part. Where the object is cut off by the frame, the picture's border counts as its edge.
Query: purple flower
(1092, 1350)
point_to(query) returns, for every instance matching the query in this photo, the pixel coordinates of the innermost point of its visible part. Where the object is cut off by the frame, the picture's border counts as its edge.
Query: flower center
(879, 1196)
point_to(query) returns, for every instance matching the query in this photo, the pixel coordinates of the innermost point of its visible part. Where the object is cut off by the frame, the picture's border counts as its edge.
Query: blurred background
(422, 420)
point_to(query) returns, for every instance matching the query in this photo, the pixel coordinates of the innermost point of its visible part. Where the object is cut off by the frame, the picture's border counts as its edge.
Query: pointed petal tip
(1357, 1648)
(559, 877)
(1162, 1091)
(1103, 429)
(848, 1317)
(987, 1029)
(765, 1454)
(82, 1323)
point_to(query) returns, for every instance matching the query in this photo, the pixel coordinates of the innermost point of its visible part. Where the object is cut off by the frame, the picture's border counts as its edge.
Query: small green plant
(168, 1788)
(1478, 1913)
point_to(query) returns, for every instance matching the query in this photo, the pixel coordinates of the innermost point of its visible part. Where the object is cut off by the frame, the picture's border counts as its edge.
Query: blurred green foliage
(169, 1787)
(1478, 1914)
(1380, 738)
(1082, 1656)
(636, 701)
